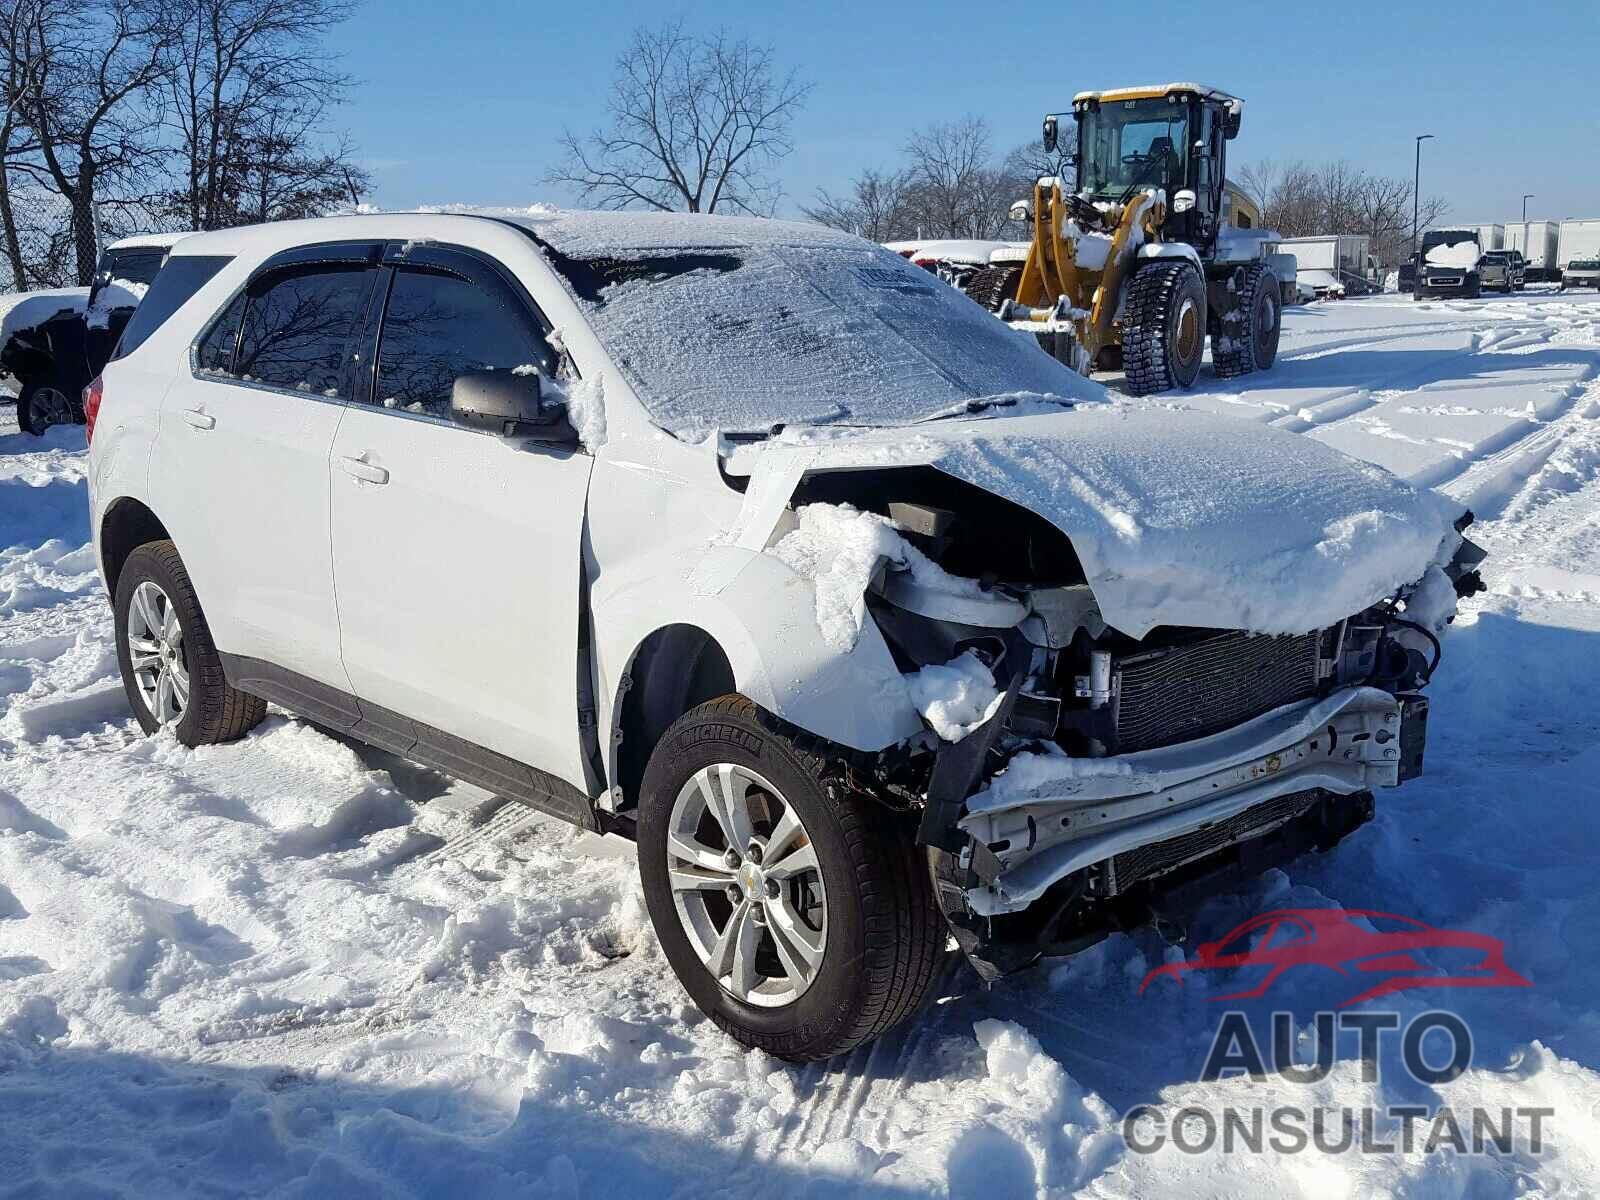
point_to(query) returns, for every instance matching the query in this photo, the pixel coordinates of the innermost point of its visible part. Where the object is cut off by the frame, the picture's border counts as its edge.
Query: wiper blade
(983, 403)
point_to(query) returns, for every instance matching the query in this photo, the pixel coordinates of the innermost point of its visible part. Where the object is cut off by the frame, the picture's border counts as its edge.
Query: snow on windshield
(743, 325)
(1456, 254)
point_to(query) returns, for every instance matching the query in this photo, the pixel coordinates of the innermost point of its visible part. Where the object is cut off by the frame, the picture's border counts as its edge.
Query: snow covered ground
(295, 967)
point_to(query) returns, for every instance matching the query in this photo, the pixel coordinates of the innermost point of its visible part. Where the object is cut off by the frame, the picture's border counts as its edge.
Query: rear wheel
(1164, 331)
(170, 666)
(800, 922)
(42, 405)
(1247, 337)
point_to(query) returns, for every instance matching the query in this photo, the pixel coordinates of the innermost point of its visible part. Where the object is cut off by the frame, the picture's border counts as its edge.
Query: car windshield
(1132, 143)
(746, 338)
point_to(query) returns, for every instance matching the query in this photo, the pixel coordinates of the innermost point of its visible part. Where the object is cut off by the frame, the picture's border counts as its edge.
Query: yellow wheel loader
(1153, 252)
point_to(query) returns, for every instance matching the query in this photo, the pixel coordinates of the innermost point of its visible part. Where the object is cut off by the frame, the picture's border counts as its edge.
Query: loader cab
(1173, 137)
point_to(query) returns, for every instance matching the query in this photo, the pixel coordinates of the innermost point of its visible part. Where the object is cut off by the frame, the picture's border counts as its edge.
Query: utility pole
(1416, 193)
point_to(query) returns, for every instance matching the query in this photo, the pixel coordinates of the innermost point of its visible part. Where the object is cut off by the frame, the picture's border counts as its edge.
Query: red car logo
(1330, 937)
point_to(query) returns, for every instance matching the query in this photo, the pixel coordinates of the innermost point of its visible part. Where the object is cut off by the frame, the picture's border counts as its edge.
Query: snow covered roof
(962, 250)
(151, 240)
(25, 310)
(1148, 91)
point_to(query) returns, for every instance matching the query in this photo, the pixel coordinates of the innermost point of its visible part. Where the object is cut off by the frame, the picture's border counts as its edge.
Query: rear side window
(136, 266)
(297, 327)
(181, 278)
(438, 327)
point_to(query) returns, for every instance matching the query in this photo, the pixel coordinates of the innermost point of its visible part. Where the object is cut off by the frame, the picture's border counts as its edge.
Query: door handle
(363, 470)
(200, 420)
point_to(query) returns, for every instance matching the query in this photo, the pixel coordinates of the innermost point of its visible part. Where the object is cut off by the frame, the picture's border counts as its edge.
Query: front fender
(763, 616)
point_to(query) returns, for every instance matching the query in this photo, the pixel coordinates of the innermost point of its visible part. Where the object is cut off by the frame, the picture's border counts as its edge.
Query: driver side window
(439, 326)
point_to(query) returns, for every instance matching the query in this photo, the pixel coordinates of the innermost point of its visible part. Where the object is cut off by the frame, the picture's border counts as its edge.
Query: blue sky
(463, 102)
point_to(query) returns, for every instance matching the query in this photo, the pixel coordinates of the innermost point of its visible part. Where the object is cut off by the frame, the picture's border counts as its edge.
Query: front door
(456, 551)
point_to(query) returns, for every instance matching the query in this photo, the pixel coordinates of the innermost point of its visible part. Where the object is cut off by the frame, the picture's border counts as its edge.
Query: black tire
(43, 404)
(216, 712)
(1164, 331)
(993, 285)
(1247, 336)
(885, 934)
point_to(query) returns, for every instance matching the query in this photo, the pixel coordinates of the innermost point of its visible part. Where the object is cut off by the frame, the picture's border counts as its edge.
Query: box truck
(1334, 264)
(1491, 236)
(1579, 253)
(1536, 241)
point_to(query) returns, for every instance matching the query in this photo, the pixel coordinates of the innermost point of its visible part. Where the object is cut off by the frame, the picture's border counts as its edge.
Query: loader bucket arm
(1142, 213)
(1051, 270)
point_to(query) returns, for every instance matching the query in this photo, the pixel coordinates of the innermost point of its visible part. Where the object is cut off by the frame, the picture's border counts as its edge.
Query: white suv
(868, 620)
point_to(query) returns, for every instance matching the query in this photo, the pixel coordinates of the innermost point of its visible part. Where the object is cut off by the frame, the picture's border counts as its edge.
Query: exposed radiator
(1186, 692)
(1148, 862)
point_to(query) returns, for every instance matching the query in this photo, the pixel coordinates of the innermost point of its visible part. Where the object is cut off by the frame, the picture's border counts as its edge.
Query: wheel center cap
(751, 879)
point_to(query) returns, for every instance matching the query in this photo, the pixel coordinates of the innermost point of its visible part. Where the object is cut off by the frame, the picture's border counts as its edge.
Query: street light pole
(1416, 193)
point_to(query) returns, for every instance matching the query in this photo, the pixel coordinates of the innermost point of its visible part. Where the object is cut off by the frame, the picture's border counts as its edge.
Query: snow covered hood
(1178, 517)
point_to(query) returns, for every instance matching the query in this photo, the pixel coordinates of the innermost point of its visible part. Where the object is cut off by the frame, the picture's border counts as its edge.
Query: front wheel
(800, 921)
(171, 670)
(1164, 331)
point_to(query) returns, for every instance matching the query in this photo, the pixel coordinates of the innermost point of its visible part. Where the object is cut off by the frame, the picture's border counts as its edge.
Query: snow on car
(318, 968)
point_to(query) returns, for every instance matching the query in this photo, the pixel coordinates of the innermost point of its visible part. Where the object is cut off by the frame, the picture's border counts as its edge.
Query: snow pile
(585, 401)
(116, 294)
(839, 549)
(1455, 254)
(955, 697)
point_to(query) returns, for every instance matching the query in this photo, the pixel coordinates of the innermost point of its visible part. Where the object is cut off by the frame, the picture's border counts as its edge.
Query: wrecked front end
(1111, 774)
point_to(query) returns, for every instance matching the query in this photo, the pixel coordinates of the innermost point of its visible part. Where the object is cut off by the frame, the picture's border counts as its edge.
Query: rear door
(455, 551)
(240, 469)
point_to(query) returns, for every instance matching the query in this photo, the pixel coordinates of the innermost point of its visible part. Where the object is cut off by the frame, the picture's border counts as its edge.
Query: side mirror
(1050, 134)
(508, 405)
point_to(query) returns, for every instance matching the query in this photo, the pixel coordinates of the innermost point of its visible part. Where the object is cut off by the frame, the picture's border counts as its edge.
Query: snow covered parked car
(753, 542)
(53, 350)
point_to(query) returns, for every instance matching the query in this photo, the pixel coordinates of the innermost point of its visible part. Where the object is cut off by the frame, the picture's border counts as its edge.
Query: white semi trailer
(1537, 242)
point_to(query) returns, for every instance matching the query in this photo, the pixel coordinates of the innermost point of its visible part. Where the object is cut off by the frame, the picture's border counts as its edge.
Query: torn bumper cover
(1351, 741)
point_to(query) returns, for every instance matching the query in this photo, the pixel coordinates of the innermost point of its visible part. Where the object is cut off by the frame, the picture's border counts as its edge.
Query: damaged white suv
(868, 620)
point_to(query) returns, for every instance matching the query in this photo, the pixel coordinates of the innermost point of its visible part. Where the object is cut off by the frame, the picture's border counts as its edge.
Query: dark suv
(54, 361)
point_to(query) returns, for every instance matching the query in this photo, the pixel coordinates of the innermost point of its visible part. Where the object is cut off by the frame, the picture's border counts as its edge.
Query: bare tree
(878, 207)
(1299, 200)
(95, 64)
(17, 70)
(695, 123)
(248, 92)
(957, 189)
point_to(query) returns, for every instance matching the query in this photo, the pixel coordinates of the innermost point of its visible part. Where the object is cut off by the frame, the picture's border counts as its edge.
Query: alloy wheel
(156, 653)
(746, 885)
(50, 406)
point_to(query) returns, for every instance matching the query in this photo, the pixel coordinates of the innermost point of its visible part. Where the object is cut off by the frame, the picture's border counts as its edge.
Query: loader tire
(993, 286)
(1164, 331)
(1247, 338)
